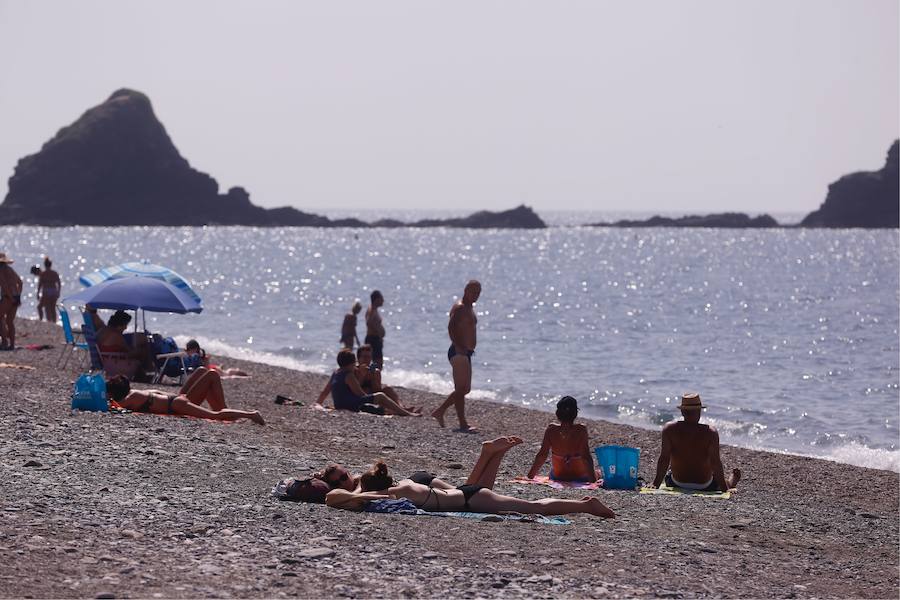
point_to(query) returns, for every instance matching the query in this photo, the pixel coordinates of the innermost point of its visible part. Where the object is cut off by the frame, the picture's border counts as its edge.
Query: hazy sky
(714, 105)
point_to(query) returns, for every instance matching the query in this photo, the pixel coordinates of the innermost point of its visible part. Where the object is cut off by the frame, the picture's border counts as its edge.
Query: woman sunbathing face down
(476, 495)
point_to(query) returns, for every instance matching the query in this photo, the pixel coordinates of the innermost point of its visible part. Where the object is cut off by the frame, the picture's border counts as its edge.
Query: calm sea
(790, 336)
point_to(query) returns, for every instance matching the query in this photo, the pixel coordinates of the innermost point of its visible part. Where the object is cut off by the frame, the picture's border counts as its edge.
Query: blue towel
(401, 506)
(505, 517)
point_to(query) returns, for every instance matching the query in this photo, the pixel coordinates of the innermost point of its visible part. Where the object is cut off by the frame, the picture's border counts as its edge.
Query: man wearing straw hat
(10, 299)
(689, 457)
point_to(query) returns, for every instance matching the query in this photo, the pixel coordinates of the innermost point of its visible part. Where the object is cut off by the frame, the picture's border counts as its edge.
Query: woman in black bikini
(154, 401)
(477, 494)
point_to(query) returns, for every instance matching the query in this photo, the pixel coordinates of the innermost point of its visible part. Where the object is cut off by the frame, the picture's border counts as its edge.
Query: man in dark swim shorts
(375, 328)
(462, 332)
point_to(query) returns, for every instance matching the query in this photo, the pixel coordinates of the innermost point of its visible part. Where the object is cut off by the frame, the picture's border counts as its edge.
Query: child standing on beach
(567, 445)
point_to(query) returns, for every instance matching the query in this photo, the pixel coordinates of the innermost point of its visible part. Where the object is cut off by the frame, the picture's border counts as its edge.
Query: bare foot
(735, 477)
(501, 444)
(597, 508)
(439, 417)
(257, 418)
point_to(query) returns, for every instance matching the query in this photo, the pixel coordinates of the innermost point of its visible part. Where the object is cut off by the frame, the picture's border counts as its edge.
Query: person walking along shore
(461, 328)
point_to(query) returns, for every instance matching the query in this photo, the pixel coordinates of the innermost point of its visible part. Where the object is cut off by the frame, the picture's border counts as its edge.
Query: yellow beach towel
(676, 491)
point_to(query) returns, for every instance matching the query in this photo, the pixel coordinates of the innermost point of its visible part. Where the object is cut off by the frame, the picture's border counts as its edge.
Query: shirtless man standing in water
(689, 457)
(462, 346)
(375, 328)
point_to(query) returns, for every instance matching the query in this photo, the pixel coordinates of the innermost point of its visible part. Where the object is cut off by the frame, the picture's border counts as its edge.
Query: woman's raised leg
(205, 384)
(484, 473)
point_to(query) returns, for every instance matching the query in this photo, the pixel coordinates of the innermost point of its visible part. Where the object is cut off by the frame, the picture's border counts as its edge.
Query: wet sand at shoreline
(157, 506)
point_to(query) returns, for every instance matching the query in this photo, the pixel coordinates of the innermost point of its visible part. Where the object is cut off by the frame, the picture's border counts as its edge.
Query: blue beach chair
(71, 343)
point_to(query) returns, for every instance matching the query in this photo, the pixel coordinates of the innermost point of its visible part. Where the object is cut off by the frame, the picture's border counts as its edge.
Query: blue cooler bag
(90, 393)
(618, 466)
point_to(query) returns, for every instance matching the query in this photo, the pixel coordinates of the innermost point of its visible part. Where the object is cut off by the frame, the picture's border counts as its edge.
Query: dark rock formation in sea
(116, 165)
(521, 217)
(868, 199)
(722, 220)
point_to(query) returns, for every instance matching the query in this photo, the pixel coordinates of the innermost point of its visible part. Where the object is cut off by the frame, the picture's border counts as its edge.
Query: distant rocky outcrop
(721, 220)
(521, 217)
(116, 165)
(866, 199)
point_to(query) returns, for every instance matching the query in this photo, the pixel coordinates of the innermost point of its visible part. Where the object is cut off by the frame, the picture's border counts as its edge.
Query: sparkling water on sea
(790, 336)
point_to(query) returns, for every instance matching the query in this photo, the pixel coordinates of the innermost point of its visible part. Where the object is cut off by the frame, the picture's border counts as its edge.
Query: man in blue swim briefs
(689, 457)
(462, 346)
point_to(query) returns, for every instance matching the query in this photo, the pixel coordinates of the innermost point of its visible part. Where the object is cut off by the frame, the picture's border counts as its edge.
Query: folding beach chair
(170, 358)
(71, 343)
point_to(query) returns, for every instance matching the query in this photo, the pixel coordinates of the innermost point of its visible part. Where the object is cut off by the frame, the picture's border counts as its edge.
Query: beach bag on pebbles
(90, 393)
(301, 490)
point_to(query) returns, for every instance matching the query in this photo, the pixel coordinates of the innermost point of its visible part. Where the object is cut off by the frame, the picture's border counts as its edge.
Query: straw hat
(4, 259)
(690, 401)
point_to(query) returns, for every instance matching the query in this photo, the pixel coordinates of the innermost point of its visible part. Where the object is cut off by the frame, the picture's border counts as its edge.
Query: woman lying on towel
(187, 402)
(476, 495)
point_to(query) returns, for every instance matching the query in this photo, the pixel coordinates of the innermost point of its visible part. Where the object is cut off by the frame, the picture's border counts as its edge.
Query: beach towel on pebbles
(676, 491)
(405, 507)
(559, 485)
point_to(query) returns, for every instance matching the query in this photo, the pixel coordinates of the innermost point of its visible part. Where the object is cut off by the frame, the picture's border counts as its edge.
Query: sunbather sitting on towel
(567, 445)
(689, 457)
(348, 395)
(476, 495)
(187, 402)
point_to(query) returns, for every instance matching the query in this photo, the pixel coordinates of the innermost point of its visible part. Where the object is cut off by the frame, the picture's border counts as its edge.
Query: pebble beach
(100, 505)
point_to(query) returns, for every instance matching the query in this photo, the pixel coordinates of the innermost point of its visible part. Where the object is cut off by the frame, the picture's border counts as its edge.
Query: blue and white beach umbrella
(140, 269)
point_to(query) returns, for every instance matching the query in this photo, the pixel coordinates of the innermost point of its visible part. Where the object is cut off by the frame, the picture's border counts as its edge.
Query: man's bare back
(690, 450)
(691, 447)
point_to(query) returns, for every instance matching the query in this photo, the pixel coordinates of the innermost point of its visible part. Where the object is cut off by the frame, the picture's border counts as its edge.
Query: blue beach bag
(618, 466)
(90, 393)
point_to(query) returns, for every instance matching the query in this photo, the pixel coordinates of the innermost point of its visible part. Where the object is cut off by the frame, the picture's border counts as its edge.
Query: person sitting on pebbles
(567, 445)
(196, 357)
(476, 495)
(186, 402)
(348, 395)
(689, 457)
(368, 374)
